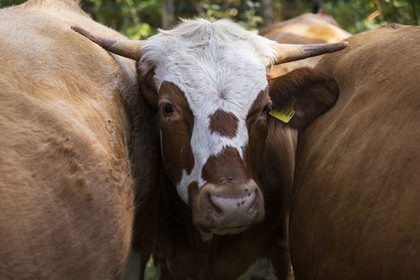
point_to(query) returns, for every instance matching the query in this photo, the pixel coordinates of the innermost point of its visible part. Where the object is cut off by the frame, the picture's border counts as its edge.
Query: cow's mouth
(229, 230)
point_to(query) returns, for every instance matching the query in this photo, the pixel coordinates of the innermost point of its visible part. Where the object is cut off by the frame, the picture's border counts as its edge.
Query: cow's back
(319, 28)
(355, 212)
(65, 185)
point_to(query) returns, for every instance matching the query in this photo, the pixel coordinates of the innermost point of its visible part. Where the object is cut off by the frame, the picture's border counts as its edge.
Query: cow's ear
(148, 88)
(300, 96)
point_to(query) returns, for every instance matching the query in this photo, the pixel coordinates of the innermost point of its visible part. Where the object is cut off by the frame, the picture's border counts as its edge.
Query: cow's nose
(233, 211)
(242, 205)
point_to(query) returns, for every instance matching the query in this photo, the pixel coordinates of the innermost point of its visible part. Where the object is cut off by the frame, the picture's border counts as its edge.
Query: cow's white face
(212, 95)
(220, 86)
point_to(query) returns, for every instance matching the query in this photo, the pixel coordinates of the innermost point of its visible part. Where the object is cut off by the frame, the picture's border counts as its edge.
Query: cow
(355, 205)
(218, 206)
(304, 29)
(66, 185)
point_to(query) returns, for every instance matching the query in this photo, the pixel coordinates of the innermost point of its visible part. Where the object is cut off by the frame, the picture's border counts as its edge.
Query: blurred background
(140, 19)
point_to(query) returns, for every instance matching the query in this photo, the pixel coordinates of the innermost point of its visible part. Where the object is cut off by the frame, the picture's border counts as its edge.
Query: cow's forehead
(211, 62)
(216, 85)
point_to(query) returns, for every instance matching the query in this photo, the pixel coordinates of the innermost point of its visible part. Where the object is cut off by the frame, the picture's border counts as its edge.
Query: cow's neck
(279, 159)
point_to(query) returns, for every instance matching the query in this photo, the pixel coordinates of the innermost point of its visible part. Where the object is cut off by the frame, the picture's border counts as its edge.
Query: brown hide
(310, 26)
(304, 29)
(356, 199)
(66, 191)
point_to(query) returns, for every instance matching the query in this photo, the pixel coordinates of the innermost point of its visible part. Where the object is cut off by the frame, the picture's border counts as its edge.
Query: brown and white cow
(356, 200)
(304, 29)
(66, 189)
(219, 204)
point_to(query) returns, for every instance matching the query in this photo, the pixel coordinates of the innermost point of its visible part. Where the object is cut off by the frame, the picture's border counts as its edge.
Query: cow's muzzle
(228, 209)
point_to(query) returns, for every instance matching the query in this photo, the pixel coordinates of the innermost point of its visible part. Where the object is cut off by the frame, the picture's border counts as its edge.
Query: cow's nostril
(253, 208)
(216, 208)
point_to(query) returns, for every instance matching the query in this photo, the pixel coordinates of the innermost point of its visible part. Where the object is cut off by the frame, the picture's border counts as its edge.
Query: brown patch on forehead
(226, 167)
(224, 123)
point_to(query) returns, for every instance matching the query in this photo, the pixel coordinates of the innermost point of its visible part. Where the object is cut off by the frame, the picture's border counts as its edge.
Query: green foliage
(6, 3)
(134, 18)
(243, 12)
(151, 272)
(140, 19)
(361, 15)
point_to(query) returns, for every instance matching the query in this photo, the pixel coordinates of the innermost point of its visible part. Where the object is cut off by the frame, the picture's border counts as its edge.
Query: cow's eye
(167, 109)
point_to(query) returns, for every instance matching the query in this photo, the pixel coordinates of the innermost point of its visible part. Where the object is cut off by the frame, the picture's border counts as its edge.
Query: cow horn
(124, 47)
(290, 52)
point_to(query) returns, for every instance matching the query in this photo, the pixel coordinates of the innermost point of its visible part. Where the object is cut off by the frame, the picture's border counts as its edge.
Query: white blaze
(218, 66)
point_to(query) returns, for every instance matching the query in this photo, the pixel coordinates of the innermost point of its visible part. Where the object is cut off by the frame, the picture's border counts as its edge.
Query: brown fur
(311, 26)
(215, 171)
(308, 105)
(224, 123)
(258, 130)
(176, 130)
(66, 189)
(355, 212)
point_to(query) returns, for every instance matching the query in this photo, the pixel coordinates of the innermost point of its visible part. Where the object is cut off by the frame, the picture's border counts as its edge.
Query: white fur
(217, 65)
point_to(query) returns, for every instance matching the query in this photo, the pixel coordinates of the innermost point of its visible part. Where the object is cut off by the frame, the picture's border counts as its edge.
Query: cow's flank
(66, 188)
(355, 211)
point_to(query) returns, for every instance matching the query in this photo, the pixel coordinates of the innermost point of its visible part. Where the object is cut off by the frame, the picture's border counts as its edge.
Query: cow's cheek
(254, 152)
(176, 150)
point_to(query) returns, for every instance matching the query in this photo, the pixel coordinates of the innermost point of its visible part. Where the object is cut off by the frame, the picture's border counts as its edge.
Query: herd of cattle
(207, 148)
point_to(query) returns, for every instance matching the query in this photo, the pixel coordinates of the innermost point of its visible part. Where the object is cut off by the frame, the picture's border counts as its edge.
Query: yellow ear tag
(285, 115)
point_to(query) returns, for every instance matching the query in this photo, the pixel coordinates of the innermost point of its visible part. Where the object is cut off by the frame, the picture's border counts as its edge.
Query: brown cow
(299, 30)
(66, 190)
(304, 29)
(356, 200)
(219, 204)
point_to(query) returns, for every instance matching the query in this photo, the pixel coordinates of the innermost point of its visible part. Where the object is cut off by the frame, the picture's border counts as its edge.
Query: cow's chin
(232, 230)
(207, 225)
(222, 231)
